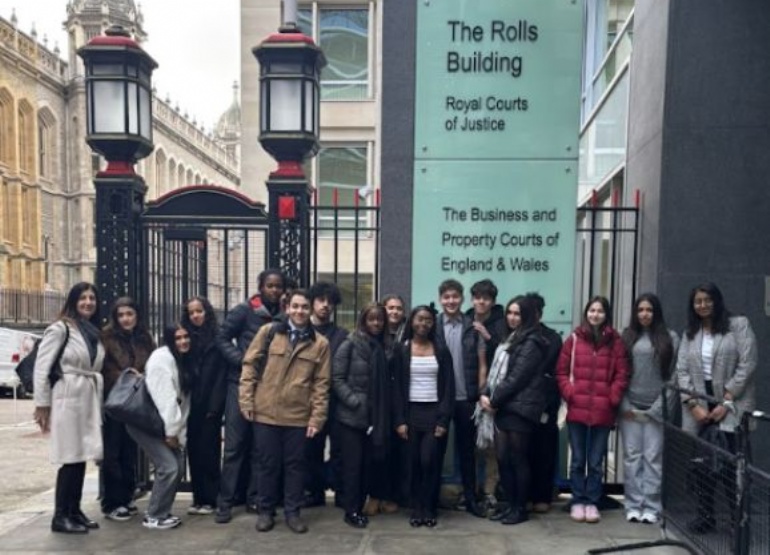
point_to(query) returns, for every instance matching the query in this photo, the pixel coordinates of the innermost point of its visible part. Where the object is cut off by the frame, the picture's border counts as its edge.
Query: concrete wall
(703, 166)
(398, 81)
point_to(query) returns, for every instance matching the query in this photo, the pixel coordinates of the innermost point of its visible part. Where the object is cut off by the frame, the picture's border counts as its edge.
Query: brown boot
(388, 507)
(371, 507)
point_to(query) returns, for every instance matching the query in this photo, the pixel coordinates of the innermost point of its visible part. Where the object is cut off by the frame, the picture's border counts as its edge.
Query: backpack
(26, 368)
(260, 367)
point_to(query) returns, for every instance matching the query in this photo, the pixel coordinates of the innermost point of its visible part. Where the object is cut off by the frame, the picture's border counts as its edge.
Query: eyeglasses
(703, 302)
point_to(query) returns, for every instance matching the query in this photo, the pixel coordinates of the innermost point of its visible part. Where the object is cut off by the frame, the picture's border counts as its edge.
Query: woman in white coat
(169, 383)
(68, 401)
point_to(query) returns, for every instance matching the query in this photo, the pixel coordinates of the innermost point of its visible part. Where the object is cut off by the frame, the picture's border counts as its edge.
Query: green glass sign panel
(510, 221)
(498, 79)
(496, 146)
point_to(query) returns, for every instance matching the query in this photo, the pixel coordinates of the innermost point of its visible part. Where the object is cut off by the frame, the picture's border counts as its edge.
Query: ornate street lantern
(118, 98)
(119, 127)
(290, 67)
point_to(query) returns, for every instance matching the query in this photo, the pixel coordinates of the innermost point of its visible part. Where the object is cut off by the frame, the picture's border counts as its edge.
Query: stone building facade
(46, 169)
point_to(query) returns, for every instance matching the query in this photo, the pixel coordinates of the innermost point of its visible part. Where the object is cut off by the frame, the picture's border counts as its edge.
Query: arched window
(180, 179)
(160, 173)
(47, 144)
(171, 174)
(26, 137)
(189, 180)
(7, 129)
(197, 179)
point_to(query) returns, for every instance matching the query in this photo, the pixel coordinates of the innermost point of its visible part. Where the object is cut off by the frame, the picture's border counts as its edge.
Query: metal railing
(714, 498)
(19, 307)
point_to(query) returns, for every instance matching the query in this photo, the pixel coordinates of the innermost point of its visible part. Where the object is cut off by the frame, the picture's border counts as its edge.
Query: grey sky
(195, 42)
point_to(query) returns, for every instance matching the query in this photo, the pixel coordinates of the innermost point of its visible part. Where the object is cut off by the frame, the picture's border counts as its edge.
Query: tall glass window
(342, 173)
(343, 34)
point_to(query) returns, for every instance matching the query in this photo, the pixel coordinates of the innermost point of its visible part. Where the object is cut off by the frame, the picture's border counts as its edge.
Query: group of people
(283, 378)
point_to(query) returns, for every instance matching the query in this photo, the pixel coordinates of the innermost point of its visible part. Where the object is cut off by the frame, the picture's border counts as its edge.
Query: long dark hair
(200, 336)
(409, 332)
(659, 334)
(70, 309)
(514, 300)
(720, 319)
(361, 324)
(182, 359)
(138, 334)
(528, 311)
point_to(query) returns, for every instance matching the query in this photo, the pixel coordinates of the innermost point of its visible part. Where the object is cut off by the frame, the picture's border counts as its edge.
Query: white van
(14, 346)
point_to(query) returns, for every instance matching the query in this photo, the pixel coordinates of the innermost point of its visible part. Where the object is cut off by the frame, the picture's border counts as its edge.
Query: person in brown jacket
(127, 344)
(284, 388)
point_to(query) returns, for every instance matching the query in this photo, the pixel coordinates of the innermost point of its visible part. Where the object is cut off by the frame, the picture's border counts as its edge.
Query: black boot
(79, 516)
(64, 523)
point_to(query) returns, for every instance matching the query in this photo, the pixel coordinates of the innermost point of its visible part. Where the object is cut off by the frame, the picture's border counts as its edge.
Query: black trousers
(322, 474)
(281, 449)
(239, 477)
(465, 446)
(400, 472)
(118, 468)
(204, 455)
(427, 455)
(353, 444)
(512, 449)
(69, 487)
(543, 455)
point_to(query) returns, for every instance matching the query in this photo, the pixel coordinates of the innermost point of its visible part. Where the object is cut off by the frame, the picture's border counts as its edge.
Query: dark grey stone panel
(397, 153)
(719, 64)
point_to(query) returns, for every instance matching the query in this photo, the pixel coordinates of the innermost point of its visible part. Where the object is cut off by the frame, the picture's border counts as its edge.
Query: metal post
(119, 205)
(290, 13)
(289, 237)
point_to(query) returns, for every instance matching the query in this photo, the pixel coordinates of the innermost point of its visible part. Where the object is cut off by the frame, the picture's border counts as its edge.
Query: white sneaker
(633, 516)
(200, 510)
(120, 514)
(161, 523)
(649, 518)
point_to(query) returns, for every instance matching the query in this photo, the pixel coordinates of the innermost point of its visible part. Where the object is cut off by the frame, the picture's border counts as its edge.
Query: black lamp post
(290, 66)
(119, 127)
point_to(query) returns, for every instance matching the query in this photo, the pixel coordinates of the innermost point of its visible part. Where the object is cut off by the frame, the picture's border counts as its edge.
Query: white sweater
(162, 377)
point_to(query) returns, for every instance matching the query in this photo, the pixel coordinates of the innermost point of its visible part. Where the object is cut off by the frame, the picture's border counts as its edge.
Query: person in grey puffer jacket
(651, 348)
(361, 383)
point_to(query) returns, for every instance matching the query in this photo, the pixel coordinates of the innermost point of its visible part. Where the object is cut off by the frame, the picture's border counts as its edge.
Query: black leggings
(69, 487)
(427, 454)
(512, 449)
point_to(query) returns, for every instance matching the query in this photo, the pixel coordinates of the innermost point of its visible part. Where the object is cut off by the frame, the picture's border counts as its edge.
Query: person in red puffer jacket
(593, 374)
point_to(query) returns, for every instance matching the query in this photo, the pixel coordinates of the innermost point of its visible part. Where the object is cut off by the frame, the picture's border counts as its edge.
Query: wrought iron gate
(200, 240)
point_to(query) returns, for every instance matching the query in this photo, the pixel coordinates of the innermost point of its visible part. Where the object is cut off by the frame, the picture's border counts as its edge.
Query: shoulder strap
(572, 359)
(59, 354)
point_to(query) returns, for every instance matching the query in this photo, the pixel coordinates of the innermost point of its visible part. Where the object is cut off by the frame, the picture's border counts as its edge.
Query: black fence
(606, 264)
(345, 249)
(715, 500)
(29, 308)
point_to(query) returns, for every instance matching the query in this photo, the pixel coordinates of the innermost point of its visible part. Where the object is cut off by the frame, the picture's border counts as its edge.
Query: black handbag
(129, 402)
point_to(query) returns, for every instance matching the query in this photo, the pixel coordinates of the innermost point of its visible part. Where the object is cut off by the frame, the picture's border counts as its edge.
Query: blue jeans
(589, 446)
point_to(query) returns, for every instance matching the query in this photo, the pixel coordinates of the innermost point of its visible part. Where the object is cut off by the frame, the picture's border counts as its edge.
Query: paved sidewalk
(26, 530)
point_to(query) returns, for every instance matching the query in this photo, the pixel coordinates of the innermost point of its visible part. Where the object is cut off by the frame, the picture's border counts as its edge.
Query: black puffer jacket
(497, 328)
(548, 366)
(242, 324)
(351, 374)
(523, 391)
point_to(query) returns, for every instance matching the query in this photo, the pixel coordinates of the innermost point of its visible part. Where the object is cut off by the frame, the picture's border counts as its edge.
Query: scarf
(90, 334)
(485, 421)
(378, 394)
